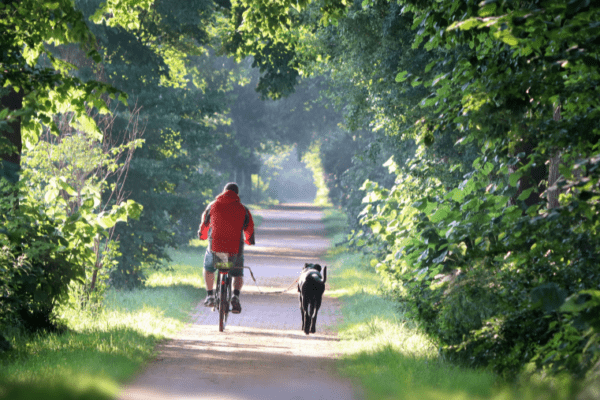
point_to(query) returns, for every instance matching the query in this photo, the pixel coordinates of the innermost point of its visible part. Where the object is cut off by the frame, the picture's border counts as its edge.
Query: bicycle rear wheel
(224, 297)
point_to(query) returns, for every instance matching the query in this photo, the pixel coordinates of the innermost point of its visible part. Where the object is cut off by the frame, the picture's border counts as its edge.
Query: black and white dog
(311, 286)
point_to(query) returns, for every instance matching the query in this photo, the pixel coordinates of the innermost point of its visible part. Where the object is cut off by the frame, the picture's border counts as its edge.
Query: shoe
(209, 301)
(236, 308)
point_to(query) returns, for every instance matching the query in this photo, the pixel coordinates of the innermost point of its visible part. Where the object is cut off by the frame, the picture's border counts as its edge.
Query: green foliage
(32, 68)
(102, 349)
(575, 347)
(70, 177)
(465, 230)
(386, 350)
(485, 275)
(37, 265)
(157, 53)
(38, 261)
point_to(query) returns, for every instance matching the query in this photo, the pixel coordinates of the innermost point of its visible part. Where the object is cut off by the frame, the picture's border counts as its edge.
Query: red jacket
(225, 219)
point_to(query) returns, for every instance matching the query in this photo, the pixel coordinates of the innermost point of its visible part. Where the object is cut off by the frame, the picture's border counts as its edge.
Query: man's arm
(249, 228)
(204, 224)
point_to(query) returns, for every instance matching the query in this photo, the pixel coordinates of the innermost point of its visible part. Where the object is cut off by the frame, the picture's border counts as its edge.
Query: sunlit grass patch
(350, 277)
(184, 269)
(77, 388)
(101, 350)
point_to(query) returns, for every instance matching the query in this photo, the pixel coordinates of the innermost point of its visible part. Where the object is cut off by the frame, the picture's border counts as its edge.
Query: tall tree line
(487, 115)
(135, 99)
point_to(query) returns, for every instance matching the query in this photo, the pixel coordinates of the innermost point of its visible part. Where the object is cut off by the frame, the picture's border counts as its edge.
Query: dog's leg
(315, 310)
(307, 314)
(302, 311)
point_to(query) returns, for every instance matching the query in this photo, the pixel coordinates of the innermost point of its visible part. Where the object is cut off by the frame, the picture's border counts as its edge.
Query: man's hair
(233, 187)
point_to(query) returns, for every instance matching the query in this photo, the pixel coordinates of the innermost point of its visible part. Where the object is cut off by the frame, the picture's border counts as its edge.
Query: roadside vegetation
(103, 345)
(387, 349)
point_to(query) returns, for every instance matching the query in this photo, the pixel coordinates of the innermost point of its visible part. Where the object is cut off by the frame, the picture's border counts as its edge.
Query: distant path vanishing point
(263, 354)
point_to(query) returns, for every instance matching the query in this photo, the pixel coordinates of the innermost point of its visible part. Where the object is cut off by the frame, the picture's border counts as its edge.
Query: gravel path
(262, 354)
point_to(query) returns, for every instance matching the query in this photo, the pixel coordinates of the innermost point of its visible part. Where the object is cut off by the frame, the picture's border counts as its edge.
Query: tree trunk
(533, 178)
(553, 172)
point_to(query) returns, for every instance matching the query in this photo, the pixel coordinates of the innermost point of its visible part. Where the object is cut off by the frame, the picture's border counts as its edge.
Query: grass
(336, 223)
(102, 350)
(385, 350)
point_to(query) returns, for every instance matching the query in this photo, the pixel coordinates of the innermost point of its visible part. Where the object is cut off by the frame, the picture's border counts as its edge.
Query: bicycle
(223, 291)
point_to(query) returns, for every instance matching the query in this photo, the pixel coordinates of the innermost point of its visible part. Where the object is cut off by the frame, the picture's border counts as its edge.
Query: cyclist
(225, 222)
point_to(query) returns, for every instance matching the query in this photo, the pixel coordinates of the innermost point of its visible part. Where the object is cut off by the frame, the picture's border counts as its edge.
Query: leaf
(430, 65)
(513, 179)
(67, 188)
(51, 195)
(487, 168)
(441, 257)
(376, 227)
(88, 125)
(420, 205)
(487, 10)
(402, 76)
(525, 194)
(465, 25)
(134, 210)
(581, 301)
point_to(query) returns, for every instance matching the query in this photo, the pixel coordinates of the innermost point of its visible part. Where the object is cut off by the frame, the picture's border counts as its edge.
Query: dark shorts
(238, 263)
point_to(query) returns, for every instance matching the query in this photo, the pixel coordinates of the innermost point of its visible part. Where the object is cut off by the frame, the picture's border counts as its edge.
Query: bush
(35, 271)
(575, 345)
(487, 273)
(42, 251)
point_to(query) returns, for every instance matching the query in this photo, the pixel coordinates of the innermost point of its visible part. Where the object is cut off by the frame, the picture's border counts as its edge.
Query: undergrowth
(391, 356)
(102, 349)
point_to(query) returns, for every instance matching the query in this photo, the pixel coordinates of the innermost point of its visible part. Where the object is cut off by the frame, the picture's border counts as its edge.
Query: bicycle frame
(223, 288)
(223, 297)
(223, 292)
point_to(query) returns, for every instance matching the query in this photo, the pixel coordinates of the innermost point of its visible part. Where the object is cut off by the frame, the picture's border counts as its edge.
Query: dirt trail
(262, 354)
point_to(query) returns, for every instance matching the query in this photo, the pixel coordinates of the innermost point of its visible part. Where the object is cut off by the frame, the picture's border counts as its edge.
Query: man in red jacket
(225, 222)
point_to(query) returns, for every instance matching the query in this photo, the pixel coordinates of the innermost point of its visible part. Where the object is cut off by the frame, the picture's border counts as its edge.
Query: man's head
(233, 187)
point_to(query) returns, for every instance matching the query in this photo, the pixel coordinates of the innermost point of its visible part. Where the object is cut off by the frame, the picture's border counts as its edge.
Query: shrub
(35, 269)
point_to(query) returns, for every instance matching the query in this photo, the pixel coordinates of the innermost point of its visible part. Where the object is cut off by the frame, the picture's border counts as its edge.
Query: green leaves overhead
(124, 13)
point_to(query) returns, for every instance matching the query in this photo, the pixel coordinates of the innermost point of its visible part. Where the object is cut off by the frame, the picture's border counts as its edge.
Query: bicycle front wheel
(224, 297)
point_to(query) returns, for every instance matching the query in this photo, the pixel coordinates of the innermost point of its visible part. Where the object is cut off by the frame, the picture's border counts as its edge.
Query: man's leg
(209, 279)
(238, 283)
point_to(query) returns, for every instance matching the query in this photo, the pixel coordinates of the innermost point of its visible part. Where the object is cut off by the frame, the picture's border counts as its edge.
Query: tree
(158, 55)
(36, 84)
(492, 79)
(38, 260)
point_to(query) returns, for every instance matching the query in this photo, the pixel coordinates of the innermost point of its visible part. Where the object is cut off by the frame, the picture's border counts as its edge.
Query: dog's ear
(317, 267)
(306, 265)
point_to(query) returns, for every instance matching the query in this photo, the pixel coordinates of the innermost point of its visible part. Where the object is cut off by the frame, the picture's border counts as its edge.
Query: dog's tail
(324, 274)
